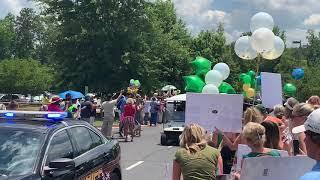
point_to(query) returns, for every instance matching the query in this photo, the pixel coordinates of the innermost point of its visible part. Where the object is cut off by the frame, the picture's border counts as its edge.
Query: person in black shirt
(86, 109)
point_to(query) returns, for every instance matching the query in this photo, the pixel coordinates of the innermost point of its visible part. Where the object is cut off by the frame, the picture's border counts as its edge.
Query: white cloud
(312, 20)
(14, 6)
(199, 15)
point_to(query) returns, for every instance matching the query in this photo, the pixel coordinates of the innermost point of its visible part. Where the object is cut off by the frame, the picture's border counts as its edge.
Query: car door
(60, 146)
(93, 154)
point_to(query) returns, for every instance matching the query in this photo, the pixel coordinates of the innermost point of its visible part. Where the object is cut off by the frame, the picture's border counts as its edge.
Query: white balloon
(214, 77)
(262, 40)
(261, 20)
(243, 48)
(276, 51)
(210, 89)
(224, 69)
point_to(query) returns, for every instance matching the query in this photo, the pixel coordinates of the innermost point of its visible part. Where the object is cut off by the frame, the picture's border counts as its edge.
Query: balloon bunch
(214, 80)
(249, 82)
(134, 86)
(263, 41)
(206, 80)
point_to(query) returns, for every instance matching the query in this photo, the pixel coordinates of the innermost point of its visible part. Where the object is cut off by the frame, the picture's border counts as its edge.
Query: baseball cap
(262, 109)
(312, 123)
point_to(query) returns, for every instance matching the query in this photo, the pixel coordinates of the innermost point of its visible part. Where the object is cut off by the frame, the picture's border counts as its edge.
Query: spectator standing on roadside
(154, 108)
(146, 110)
(196, 159)
(86, 109)
(54, 105)
(13, 105)
(161, 110)
(311, 129)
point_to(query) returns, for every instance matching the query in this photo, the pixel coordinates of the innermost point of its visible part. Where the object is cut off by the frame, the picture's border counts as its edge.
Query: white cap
(312, 123)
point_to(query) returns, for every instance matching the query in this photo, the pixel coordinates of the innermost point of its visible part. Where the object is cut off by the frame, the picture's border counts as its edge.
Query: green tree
(24, 76)
(28, 27)
(313, 47)
(7, 36)
(210, 44)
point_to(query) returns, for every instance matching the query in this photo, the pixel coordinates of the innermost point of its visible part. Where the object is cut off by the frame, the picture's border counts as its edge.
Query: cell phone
(296, 149)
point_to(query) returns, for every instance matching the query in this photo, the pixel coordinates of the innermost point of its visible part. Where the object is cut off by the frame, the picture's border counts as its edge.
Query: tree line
(103, 44)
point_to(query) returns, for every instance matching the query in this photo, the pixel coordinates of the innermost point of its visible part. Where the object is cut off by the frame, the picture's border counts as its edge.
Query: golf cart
(175, 119)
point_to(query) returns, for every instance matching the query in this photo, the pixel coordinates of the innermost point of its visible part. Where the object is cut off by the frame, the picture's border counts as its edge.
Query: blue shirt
(122, 101)
(314, 174)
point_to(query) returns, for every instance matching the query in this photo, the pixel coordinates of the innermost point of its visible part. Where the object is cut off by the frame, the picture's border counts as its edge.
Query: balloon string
(256, 82)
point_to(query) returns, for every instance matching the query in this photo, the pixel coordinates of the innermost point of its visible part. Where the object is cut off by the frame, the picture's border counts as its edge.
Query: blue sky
(293, 16)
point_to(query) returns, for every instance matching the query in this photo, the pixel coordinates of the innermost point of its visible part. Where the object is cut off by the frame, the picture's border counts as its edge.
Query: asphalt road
(145, 158)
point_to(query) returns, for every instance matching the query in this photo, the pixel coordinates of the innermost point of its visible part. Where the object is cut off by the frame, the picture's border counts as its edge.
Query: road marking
(170, 147)
(134, 165)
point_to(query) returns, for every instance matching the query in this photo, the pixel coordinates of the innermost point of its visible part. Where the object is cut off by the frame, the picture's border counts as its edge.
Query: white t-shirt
(108, 107)
(146, 108)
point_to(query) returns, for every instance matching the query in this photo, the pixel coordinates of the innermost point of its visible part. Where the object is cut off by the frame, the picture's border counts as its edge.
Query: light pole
(297, 42)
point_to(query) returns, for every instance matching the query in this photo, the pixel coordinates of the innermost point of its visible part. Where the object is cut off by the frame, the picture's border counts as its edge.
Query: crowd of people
(293, 127)
(133, 111)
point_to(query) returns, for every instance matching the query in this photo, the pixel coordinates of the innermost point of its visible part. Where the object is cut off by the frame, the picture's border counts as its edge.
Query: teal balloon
(252, 74)
(226, 88)
(131, 81)
(194, 83)
(253, 83)
(201, 66)
(246, 79)
(290, 89)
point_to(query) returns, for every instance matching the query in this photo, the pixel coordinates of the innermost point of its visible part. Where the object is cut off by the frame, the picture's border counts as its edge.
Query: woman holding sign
(195, 159)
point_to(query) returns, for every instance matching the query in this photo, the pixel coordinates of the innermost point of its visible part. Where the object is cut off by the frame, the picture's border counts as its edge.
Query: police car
(47, 146)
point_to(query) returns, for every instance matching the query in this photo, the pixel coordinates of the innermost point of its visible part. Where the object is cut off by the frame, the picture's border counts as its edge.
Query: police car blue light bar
(37, 114)
(9, 115)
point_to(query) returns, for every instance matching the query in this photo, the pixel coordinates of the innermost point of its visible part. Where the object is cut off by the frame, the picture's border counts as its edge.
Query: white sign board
(271, 89)
(215, 110)
(272, 168)
(244, 150)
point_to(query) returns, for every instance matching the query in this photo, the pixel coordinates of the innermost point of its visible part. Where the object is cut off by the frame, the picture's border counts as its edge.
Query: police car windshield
(19, 150)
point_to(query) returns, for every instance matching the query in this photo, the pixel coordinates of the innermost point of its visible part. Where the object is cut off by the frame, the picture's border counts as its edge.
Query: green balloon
(226, 88)
(241, 76)
(246, 79)
(290, 89)
(252, 74)
(194, 83)
(201, 66)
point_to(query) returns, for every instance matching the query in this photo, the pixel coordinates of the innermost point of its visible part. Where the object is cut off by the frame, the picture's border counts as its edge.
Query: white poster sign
(245, 149)
(215, 110)
(271, 168)
(271, 89)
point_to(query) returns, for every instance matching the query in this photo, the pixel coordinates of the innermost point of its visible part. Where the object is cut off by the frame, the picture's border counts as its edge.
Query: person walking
(129, 113)
(196, 159)
(311, 129)
(108, 115)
